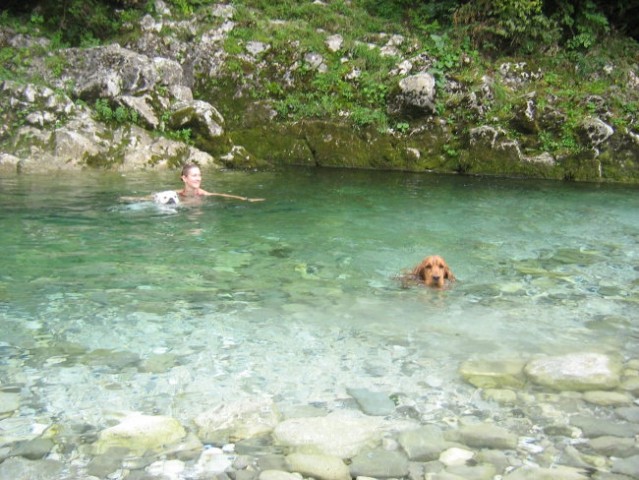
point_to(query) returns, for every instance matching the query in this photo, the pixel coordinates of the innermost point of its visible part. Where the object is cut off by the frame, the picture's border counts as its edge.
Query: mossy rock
(581, 167)
(274, 145)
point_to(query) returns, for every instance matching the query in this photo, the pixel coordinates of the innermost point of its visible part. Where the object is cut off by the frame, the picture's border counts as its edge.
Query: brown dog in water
(433, 271)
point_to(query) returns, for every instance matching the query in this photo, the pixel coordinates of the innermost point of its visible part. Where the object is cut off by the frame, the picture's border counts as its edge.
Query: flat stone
(423, 444)
(559, 473)
(596, 427)
(631, 414)
(578, 372)
(237, 421)
(627, 466)
(500, 395)
(456, 456)
(32, 449)
(340, 433)
(212, 461)
(473, 472)
(9, 402)
(484, 435)
(607, 399)
(493, 374)
(102, 465)
(140, 433)
(372, 403)
(379, 463)
(18, 468)
(277, 475)
(614, 446)
(631, 384)
(322, 467)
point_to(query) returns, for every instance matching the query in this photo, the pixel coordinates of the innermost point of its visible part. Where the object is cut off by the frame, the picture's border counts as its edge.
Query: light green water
(108, 307)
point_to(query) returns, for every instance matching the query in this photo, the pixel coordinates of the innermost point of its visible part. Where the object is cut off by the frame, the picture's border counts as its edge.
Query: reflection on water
(106, 306)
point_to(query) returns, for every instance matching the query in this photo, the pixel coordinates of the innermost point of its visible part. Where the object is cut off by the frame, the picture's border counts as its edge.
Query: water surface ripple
(110, 307)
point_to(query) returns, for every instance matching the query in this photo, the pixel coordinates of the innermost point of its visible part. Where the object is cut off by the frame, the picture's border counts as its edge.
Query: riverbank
(233, 87)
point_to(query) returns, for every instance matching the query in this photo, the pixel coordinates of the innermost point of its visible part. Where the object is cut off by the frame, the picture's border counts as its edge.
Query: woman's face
(193, 178)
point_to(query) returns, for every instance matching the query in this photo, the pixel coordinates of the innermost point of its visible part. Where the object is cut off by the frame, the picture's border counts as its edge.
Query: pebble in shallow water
(531, 440)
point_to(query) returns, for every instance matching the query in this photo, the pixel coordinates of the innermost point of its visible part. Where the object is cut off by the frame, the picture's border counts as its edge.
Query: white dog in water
(168, 197)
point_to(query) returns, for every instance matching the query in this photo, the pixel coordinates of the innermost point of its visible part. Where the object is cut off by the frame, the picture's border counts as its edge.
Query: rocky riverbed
(573, 416)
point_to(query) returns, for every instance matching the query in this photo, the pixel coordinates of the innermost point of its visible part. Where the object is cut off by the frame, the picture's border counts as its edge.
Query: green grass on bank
(589, 73)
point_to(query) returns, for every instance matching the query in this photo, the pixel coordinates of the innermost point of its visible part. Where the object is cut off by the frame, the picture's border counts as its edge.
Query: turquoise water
(108, 307)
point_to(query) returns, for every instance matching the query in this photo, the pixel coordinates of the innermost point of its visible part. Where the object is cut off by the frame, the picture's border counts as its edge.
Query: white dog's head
(169, 197)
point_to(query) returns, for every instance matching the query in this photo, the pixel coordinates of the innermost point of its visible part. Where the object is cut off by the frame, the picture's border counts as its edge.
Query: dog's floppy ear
(448, 274)
(420, 271)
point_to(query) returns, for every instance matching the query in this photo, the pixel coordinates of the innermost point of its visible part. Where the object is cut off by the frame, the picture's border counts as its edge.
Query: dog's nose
(171, 201)
(436, 278)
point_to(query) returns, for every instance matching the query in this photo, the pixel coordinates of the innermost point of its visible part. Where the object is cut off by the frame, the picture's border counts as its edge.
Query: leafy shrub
(120, 114)
(505, 24)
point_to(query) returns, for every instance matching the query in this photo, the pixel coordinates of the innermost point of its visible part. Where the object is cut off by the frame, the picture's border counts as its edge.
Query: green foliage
(364, 117)
(373, 92)
(583, 23)
(446, 56)
(425, 16)
(402, 127)
(458, 38)
(367, 58)
(505, 24)
(120, 115)
(184, 7)
(56, 64)
(450, 150)
(76, 22)
(183, 135)
(7, 68)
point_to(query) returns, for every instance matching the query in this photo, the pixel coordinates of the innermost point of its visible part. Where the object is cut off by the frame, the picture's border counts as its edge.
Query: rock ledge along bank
(156, 101)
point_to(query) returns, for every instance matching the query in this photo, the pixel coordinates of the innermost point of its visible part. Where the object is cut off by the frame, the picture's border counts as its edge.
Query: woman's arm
(227, 195)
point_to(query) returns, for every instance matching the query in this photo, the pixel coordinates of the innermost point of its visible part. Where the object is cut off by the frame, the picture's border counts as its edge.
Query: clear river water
(109, 307)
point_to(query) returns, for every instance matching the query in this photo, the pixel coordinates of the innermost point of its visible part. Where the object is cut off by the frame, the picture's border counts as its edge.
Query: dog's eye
(428, 267)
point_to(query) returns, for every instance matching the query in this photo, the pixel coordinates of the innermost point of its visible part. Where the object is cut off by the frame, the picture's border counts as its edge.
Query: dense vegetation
(500, 25)
(572, 42)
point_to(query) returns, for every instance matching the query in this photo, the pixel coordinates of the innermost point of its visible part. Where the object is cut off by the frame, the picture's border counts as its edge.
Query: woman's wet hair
(188, 167)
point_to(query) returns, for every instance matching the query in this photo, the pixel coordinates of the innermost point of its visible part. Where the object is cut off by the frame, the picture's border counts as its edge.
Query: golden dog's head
(433, 271)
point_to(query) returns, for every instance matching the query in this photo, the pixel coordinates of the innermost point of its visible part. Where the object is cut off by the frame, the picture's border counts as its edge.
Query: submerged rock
(484, 435)
(140, 433)
(341, 433)
(9, 401)
(237, 421)
(372, 403)
(577, 371)
(598, 427)
(423, 444)
(559, 473)
(379, 463)
(627, 466)
(18, 468)
(493, 374)
(322, 467)
(456, 456)
(608, 399)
